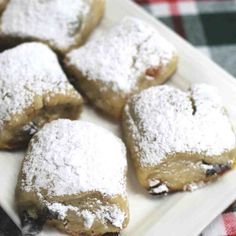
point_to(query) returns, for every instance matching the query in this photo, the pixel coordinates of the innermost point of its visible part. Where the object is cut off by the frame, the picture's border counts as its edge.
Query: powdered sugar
(89, 218)
(71, 157)
(28, 70)
(160, 189)
(194, 186)
(60, 209)
(122, 55)
(153, 182)
(169, 121)
(56, 21)
(103, 213)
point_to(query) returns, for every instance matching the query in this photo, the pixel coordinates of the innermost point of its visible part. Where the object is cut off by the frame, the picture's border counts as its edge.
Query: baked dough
(62, 24)
(33, 90)
(3, 3)
(178, 140)
(73, 177)
(128, 58)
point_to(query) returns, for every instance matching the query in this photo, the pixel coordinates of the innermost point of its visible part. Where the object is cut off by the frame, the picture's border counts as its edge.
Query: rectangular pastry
(128, 58)
(33, 90)
(62, 24)
(73, 177)
(178, 140)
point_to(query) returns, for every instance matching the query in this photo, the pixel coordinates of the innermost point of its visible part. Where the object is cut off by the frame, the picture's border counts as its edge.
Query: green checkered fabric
(210, 25)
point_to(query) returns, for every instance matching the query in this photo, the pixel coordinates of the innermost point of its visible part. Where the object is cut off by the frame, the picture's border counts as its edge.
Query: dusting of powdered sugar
(104, 213)
(194, 186)
(56, 21)
(165, 120)
(28, 70)
(122, 55)
(71, 157)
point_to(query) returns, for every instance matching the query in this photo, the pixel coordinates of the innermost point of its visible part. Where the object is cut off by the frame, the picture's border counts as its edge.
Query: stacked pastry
(73, 175)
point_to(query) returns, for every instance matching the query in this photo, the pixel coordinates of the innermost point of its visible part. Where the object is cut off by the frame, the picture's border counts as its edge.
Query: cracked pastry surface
(129, 57)
(33, 90)
(73, 177)
(178, 140)
(62, 24)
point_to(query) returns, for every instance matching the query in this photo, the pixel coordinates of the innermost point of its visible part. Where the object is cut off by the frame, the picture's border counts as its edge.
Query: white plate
(180, 214)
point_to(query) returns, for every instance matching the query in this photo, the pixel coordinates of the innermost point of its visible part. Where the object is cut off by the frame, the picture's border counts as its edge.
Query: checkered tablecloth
(210, 25)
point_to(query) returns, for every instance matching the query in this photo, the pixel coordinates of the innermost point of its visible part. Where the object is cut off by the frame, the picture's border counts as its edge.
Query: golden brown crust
(34, 213)
(75, 224)
(109, 101)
